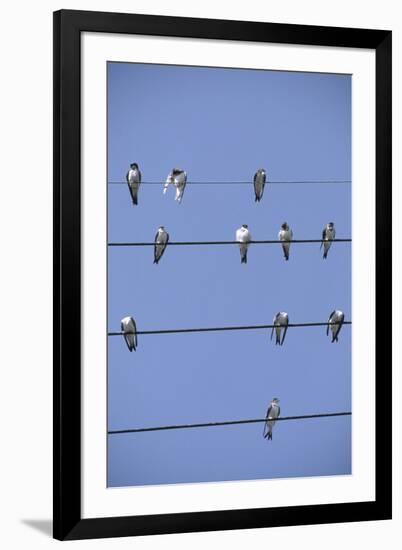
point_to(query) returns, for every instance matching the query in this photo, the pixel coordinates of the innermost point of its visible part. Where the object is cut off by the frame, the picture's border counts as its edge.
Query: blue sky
(223, 124)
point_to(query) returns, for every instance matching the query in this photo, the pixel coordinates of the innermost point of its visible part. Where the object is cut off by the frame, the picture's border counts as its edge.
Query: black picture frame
(68, 26)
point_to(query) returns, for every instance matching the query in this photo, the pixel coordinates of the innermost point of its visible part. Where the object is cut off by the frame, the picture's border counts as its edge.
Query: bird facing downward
(335, 322)
(161, 240)
(281, 321)
(260, 177)
(129, 329)
(133, 178)
(243, 236)
(273, 413)
(178, 178)
(285, 235)
(328, 235)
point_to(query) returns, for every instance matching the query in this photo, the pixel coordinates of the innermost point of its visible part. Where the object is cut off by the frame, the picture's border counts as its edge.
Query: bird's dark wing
(164, 245)
(255, 186)
(284, 333)
(330, 316)
(184, 186)
(265, 431)
(139, 176)
(155, 246)
(132, 192)
(135, 333)
(273, 327)
(323, 237)
(339, 326)
(257, 196)
(279, 411)
(125, 336)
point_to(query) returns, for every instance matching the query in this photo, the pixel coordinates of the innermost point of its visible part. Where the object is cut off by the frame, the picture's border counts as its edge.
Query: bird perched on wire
(328, 235)
(335, 323)
(161, 240)
(285, 235)
(178, 178)
(133, 178)
(280, 322)
(243, 236)
(260, 178)
(129, 329)
(273, 413)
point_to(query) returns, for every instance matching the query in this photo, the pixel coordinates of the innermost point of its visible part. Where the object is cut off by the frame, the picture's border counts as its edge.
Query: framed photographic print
(222, 268)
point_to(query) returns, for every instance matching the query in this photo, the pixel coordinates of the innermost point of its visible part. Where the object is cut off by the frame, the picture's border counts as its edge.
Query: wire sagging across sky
(279, 325)
(195, 243)
(228, 328)
(324, 182)
(227, 423)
